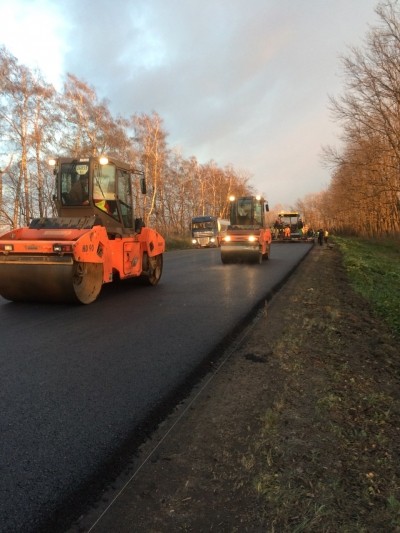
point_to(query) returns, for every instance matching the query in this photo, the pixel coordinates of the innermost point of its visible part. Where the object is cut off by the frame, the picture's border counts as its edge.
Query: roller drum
(49, 280)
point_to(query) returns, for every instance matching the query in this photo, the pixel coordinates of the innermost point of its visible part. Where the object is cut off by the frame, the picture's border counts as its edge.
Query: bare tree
(24, 98)
(367, 171)
(150, 142)
(88, 126)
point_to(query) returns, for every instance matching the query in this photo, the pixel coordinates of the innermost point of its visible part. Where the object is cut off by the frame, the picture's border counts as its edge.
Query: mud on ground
(299, 430)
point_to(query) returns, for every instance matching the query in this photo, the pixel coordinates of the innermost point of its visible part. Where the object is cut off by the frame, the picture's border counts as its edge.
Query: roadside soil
(297, 430)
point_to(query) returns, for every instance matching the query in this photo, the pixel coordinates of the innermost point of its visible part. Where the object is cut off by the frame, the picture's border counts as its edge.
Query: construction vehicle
(248, 237)
(207, 231)
(289, 227)
(95, 238)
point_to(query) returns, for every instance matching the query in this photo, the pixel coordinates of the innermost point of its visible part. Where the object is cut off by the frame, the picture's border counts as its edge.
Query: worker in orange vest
(287, 232)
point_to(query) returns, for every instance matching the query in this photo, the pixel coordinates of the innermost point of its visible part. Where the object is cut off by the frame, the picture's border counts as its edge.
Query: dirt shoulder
(299, 430)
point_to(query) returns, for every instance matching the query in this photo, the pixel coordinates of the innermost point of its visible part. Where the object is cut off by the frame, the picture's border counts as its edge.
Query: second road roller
(248, 237)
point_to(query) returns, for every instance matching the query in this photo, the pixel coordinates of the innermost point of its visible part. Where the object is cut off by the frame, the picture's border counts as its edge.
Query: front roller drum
(240, 255)
(60, 283)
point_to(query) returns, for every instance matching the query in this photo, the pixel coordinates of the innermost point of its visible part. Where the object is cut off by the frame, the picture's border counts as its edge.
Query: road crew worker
(104, 193)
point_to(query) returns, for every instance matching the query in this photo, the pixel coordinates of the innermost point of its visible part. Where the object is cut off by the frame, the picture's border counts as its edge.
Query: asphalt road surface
(82, 384)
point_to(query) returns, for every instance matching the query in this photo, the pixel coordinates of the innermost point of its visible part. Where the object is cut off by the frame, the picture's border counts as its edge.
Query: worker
(287, 232)
(104, 193)
(326, 235)
(78, 195)
(244, 214)
(103, 205)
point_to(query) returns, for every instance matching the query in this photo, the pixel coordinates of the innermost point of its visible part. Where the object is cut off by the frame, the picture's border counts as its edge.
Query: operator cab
(100, 188)
(248, 211)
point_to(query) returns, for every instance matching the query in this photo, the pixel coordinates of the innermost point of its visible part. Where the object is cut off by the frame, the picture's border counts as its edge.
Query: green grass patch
(374, 271)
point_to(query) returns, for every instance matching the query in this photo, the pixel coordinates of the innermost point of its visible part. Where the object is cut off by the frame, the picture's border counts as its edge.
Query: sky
(244, 83)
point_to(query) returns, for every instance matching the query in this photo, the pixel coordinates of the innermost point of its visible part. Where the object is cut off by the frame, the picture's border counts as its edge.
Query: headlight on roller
(62, 248)
(6, 247)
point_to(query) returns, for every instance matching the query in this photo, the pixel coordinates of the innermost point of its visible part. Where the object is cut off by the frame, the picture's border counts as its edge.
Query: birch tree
(150, 143)
(88, 127)
(23, 107)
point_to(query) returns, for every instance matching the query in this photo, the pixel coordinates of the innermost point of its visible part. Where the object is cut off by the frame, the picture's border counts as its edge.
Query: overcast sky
(240, 82)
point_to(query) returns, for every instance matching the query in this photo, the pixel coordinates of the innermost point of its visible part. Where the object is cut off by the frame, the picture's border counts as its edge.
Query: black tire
(155, 269)
(87, 281)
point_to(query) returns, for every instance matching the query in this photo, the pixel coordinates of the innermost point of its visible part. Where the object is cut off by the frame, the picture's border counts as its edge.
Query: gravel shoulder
(297, 430)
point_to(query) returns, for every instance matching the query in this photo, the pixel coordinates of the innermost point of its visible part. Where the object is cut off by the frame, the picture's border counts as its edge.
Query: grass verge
(177, 243)
(326, 455)
(374, 272)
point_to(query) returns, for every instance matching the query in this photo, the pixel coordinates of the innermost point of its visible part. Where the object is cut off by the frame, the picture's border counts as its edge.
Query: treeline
(363, 197)
(37, 122)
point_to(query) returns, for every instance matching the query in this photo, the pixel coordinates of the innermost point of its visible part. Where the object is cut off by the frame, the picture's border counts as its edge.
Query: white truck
(207, 231)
